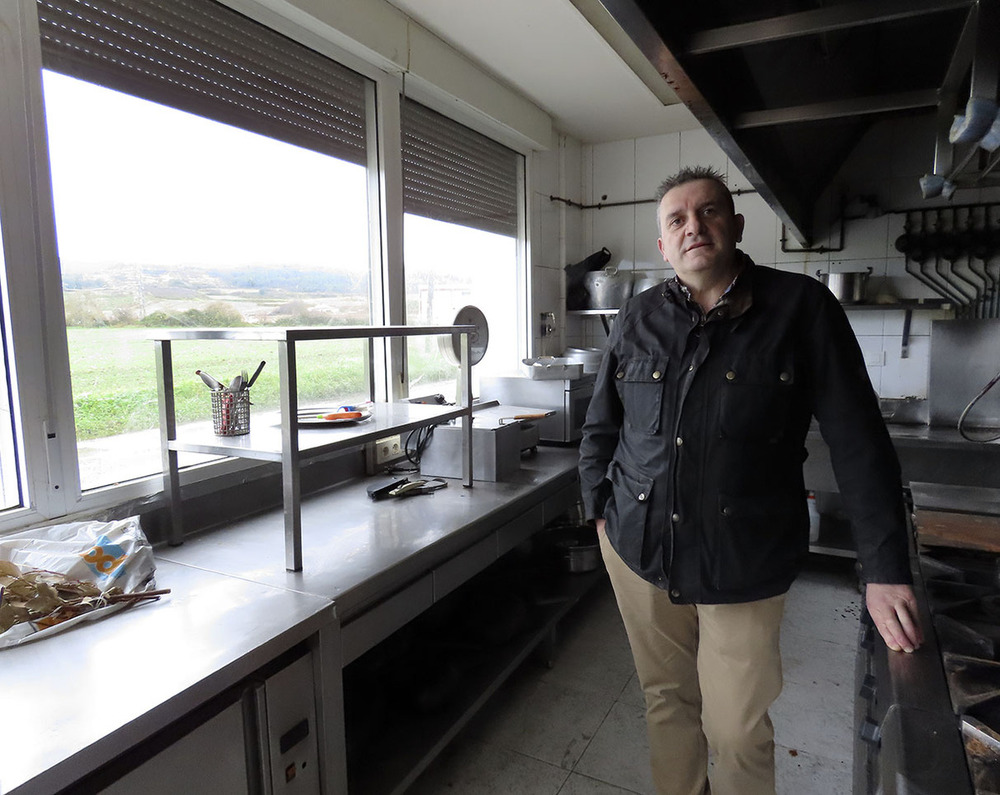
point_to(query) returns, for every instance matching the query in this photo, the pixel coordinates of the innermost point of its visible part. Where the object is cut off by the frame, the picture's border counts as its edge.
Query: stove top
(963, 593)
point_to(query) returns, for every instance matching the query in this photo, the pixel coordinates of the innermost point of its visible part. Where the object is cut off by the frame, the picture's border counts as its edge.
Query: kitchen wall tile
(866, 322)
(614, 229)
(656, 158)
(906, 377)
(614, 172)
(699, 149)
(791, 267)
(758, 231)
(920, 321)
(735, 179)
(796, 252)
(545, 169)
(865, 238)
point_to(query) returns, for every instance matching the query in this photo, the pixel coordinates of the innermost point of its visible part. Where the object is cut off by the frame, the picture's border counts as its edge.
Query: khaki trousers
(709, 674)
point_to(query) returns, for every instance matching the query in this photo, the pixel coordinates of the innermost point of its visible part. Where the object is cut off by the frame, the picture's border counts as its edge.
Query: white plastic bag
(107, 554)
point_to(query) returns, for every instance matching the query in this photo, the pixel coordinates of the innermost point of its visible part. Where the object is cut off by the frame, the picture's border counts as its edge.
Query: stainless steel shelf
(278, 437)
(263, 443)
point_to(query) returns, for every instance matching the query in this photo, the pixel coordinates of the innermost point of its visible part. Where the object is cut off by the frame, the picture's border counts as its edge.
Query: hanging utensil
(210, 382)
(255, 374)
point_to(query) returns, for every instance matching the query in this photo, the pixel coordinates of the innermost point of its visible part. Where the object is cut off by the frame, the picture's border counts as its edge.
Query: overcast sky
(136, 182)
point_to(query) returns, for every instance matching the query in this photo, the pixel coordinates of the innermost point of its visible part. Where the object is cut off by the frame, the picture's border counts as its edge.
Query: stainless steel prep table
(74, 701)
(384, 562)
(927, 454)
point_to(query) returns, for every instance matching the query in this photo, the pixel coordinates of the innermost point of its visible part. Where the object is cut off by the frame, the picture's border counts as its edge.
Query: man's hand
(893, 608)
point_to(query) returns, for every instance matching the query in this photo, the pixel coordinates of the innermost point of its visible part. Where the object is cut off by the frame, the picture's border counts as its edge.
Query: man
(691, 464)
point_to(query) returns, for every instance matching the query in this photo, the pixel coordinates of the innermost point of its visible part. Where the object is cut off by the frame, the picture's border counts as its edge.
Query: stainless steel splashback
(965, 355)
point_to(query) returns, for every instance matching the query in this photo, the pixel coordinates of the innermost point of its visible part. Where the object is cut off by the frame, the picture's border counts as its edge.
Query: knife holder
(230, 412)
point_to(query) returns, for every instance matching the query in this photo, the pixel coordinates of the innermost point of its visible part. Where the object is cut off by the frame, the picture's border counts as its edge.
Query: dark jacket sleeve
(600, 431)
(863, 457)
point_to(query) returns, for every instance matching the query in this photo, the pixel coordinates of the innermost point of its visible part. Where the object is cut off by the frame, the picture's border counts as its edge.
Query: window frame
(43, 401)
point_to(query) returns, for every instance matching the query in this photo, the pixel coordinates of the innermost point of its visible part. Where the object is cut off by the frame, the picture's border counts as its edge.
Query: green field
(114, 375)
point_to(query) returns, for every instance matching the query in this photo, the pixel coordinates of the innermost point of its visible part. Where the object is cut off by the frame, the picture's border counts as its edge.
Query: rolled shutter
(452, 173)
(201, 57)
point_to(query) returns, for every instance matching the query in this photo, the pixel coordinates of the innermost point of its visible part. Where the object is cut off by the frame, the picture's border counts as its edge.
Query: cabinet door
(210, 759)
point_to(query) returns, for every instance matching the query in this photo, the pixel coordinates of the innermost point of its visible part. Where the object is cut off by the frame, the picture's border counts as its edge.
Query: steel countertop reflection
(356, 551)
(76, 700)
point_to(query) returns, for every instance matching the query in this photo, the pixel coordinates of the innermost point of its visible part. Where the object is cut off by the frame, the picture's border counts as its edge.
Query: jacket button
(726, 511)
(620, 374)
(676, 517)
(641, 496)
(675, 593)
(656, 375)
(786, 377)
(678, 441)
(731, 376)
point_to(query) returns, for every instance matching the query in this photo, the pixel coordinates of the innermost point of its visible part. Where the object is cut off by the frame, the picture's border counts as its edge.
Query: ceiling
(549, 51)
(786, 87)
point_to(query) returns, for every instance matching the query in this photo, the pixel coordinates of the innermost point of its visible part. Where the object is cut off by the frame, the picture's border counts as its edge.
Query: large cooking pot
(608, 288)
(850, 287)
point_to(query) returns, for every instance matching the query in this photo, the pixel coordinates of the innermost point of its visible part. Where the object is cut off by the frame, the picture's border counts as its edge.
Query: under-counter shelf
(278, 437)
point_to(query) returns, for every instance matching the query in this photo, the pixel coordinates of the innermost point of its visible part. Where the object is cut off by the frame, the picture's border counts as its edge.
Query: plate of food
(337, 415)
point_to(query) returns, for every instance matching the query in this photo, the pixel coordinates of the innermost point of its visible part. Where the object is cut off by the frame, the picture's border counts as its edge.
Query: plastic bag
(107, 554)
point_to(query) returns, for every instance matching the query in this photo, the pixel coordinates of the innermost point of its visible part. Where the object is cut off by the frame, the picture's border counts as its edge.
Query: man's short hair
(690, 174)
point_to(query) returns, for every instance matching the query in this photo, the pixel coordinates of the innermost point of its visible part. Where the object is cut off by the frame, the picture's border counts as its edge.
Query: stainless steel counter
(74, 701)
(356, 551)
(927, 454)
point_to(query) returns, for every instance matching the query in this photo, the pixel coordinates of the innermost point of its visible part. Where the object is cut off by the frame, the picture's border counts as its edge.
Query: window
(461, 240)
(207, 172)
(10, 471)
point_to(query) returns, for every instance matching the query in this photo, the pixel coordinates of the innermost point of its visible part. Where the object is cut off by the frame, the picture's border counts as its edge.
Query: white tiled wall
(631, 170)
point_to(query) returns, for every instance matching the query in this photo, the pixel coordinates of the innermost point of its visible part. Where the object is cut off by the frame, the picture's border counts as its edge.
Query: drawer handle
(867, 689)
(294, 736)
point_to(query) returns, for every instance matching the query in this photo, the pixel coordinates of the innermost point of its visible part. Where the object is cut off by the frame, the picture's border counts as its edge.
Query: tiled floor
(578, 729)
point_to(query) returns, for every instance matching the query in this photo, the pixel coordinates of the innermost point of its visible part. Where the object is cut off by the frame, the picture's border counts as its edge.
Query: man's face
(698, 230)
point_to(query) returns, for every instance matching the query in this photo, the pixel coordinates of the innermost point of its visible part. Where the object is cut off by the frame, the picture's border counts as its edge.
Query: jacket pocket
(641, 381)
(758, 539)
(626, 512)
(756, 399)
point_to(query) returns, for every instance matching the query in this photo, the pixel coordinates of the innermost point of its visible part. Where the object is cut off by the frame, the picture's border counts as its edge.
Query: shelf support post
(168, 433)
(291, 488)
(465, 379)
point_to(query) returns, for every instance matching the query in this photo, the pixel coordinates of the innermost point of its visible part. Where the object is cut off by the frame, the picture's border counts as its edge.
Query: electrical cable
(975, 400)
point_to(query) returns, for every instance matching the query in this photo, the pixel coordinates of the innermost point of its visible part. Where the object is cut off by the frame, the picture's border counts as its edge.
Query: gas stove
(929, 722)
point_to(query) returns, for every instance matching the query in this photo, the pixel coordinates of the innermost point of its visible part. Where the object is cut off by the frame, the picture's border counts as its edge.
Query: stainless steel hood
(788, 88)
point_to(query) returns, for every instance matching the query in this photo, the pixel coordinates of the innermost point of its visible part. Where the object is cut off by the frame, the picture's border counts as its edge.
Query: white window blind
(454, 174)
(199, 56)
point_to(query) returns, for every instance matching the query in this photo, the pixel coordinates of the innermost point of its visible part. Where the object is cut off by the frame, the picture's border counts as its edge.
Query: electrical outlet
(388, 449)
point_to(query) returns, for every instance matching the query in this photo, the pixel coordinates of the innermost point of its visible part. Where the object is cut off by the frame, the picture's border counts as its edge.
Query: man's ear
(659, 245)
(740, 223)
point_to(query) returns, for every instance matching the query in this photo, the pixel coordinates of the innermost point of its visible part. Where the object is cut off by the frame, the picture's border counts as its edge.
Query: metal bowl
(850, 287)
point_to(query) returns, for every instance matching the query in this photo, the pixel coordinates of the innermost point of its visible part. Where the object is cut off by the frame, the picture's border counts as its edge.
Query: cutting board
(963, 530)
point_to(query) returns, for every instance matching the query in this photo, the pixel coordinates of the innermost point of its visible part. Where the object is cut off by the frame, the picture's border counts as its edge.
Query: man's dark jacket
(694, 441)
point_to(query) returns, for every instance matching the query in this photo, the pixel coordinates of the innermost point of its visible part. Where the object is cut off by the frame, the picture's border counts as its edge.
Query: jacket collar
(735, 301)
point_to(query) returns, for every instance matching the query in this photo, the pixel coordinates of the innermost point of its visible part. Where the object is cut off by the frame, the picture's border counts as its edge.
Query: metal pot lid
(479, 339)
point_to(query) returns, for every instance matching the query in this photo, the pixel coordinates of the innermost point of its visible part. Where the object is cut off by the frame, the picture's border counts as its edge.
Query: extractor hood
(788, 88)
